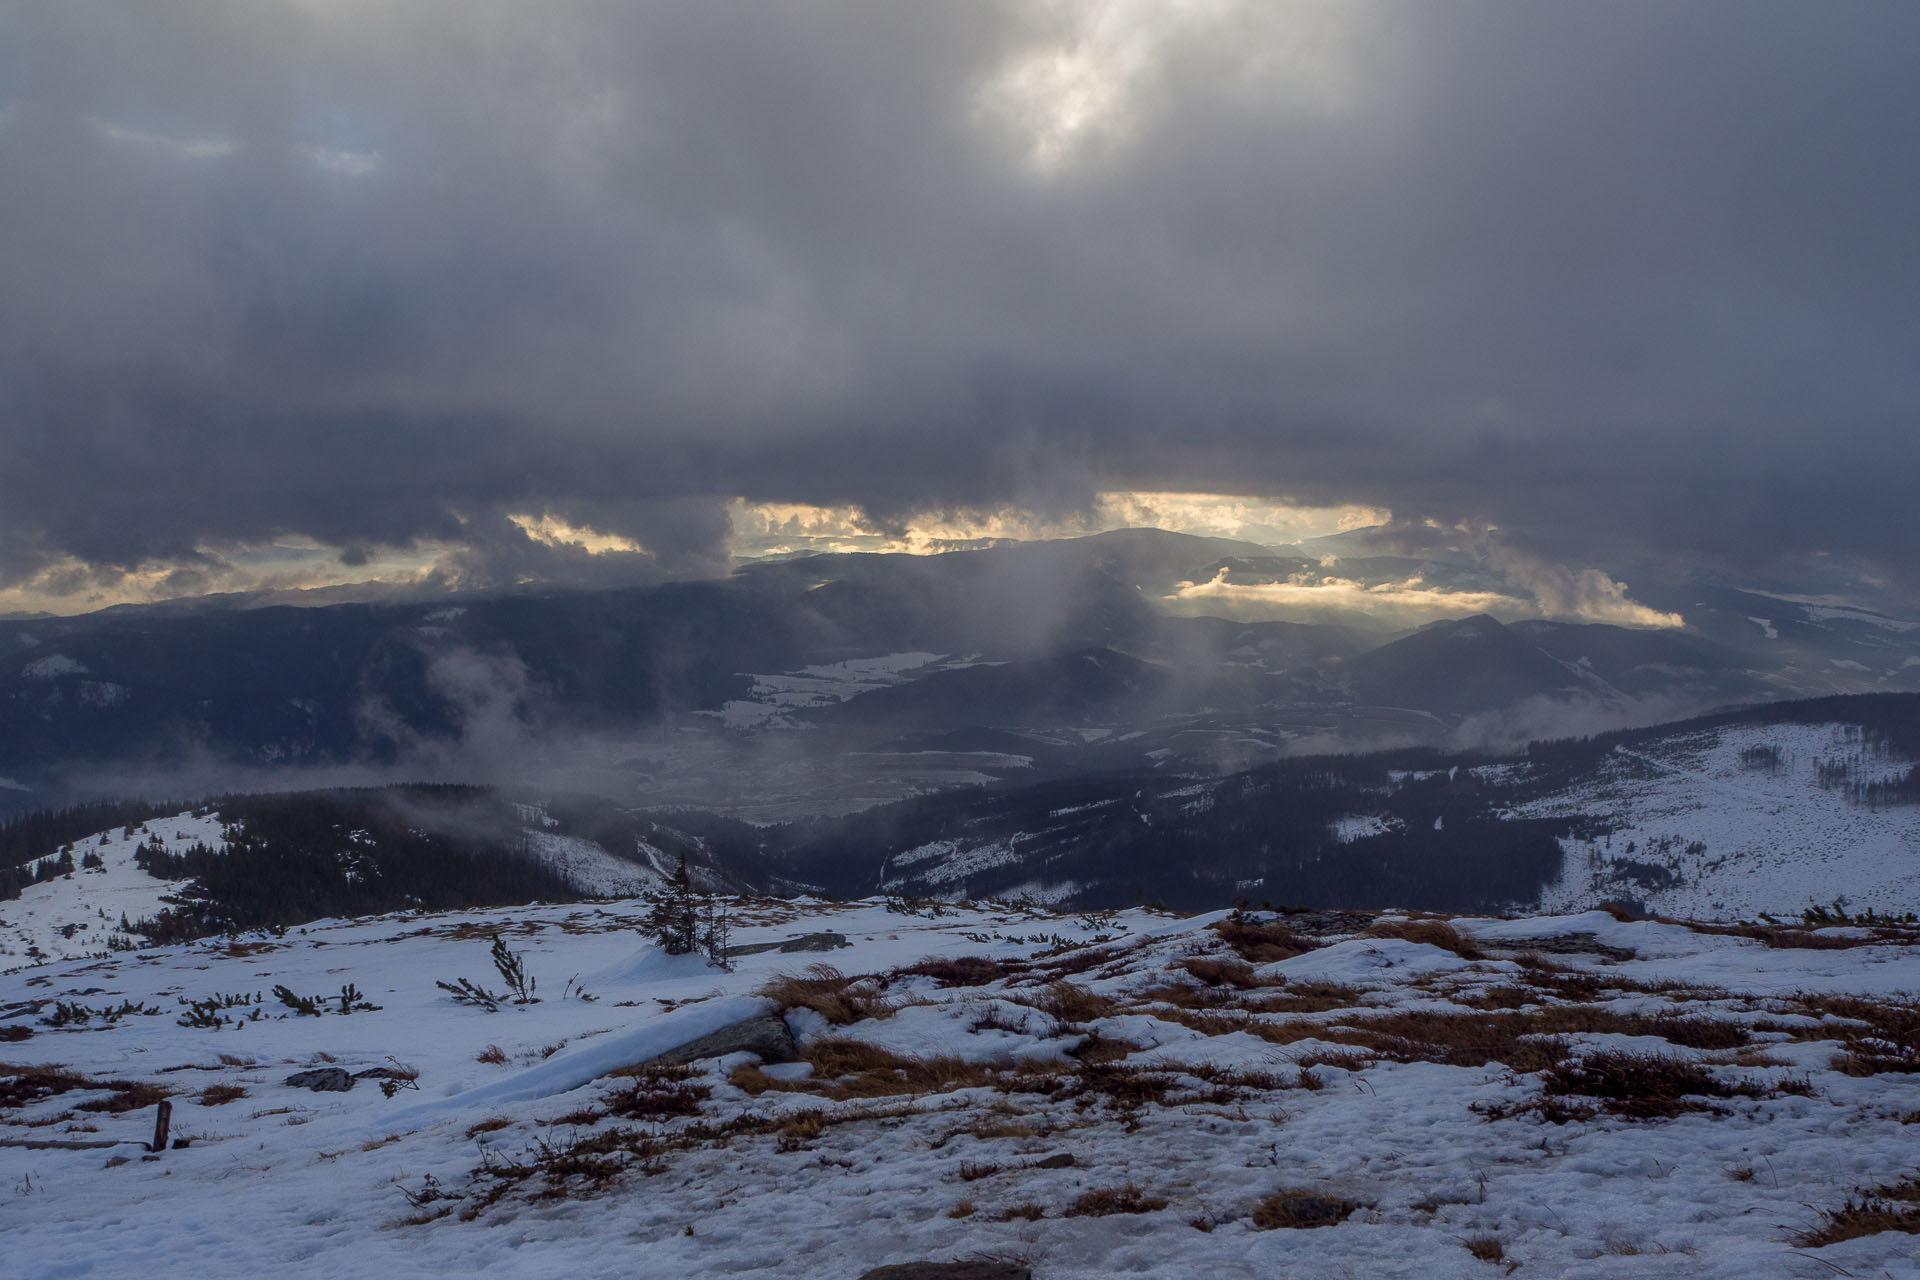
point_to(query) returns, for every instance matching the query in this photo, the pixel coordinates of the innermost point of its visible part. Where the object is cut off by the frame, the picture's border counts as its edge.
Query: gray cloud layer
(1622, 278)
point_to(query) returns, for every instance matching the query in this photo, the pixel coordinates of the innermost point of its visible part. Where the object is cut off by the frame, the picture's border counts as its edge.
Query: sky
(480, 293)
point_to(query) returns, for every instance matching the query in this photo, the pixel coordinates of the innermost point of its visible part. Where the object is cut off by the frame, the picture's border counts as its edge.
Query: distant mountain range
(816, 684)
(1783, 808)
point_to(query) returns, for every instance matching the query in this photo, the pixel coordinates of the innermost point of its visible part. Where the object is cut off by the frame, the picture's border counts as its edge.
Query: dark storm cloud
(1620, 279)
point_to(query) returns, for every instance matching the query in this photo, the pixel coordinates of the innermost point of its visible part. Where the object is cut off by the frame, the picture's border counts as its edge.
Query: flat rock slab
(805, 942)
(1564, 944)
(949, 1271)
(765, 1034)
(322, 1080)
(1323, 924)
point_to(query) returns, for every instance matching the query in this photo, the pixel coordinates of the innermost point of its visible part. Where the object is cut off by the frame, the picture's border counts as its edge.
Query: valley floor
(1318, 1095)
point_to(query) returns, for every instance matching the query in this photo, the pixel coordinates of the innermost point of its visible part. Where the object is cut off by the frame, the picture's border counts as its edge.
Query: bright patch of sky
(555, 532)
(1092, 72)
(765, 529)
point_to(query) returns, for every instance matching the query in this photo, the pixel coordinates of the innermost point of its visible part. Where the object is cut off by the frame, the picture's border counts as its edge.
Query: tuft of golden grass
(1101, 1202)
(1262, 941)
(844, 1069)
(1485, 1247)
(1218, 972)
(128, 1095)
(1432, 933)
(218, 1095)
(833, 995)
(1069, 1003)
(1300, 1208)
(1894, 1207)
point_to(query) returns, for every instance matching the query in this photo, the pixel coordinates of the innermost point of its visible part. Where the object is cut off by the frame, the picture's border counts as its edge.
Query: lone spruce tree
(674, 919)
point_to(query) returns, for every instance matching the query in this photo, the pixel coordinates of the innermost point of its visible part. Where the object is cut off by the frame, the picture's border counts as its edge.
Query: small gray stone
(1061, 1160)
(765, 1034)
(321, 1080)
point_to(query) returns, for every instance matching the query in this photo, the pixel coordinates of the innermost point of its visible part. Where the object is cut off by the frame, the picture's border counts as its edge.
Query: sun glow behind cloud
(1519, 586)
(1412, 601)
(764, 529)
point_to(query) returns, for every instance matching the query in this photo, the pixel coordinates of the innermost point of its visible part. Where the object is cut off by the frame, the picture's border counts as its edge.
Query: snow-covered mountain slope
(1132, 1093)
(1733, 821)
(80, 914)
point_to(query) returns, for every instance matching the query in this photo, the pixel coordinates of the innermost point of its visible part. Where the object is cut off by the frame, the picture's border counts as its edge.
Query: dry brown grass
(963, 971)
(1262, 941)
(1523, 1041)
(1432, 933)
(1183, 996)
(1489, 998)
(1487, 1248)
(493, 1055)
(21, 1085)
(831, 994)
(658, 1094)
(127, 1095)
(490, 1125)
(1101, 1202)
(1884, 1035)
(1298, 1208)
(1067, 1002)
(218, 1095)
(1225, 1022)
(1215, 971)
(1304, 997)
(844, 1069)
(1643, 1086)
(1895, 1207)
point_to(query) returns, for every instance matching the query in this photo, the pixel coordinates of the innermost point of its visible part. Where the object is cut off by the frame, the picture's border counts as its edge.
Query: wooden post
(162, 1118)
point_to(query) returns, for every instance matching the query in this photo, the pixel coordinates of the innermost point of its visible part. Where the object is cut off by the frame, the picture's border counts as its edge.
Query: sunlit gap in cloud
(767, 529)
(555, 532)
(70, 585)
(1409, 601)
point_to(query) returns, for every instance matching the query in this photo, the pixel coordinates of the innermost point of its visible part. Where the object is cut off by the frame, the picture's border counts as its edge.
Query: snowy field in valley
(773, 696)
(1742, 838)
(1325, 1095)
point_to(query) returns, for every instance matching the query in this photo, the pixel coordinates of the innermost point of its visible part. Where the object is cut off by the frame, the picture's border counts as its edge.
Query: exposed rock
(1060, 1160)
(1563, 944)
(1323, 924)
(322, 1080)
(383, 1073)
(949, 1271)
(765, 1034)
(805, 942)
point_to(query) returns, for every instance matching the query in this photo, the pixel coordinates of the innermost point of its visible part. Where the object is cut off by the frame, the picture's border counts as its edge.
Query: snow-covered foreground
(1133, 1094)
